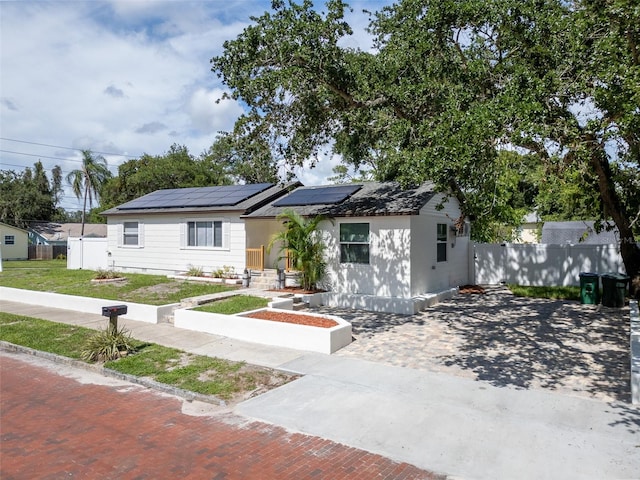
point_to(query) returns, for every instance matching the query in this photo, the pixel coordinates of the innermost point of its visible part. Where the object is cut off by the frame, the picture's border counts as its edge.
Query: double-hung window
(204, 233)
(9, 240)
(131, 234)
(441, 242)
(354, 243)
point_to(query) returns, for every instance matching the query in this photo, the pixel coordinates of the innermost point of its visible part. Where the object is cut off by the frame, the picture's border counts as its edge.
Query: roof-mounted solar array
(222, 196)
(317, 195)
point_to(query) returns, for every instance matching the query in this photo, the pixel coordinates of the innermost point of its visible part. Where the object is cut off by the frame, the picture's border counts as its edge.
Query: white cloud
(119, 77)
(207, 116)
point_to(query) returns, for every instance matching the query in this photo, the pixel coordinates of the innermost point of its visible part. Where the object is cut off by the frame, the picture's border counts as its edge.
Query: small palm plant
(302, 241)
(108, 344)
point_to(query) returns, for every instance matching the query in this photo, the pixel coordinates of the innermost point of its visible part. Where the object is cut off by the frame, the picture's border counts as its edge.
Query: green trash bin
(614, 289)
(589, 288)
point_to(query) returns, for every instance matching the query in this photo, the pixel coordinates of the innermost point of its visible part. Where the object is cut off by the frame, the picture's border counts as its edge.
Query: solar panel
(317, 195)
(219, 196)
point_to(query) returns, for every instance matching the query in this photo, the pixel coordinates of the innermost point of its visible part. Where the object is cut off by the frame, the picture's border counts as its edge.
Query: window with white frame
(354, 243)
(441, 242)
(204, 233)
(9, 240)
(131, 234)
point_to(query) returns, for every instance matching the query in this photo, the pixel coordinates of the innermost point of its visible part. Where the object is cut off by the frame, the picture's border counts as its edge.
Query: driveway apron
(505, 340)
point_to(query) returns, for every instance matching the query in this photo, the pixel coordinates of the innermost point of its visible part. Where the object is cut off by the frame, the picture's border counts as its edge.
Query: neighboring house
(575, 232)
(14, 243)
(387, 248)
(529, 230)
(170, 231)
(50, 233)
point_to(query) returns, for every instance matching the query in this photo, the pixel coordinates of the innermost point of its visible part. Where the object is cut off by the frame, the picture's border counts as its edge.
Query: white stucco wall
(403, 255)
(427, 274)
(162, 251)
(389, 270)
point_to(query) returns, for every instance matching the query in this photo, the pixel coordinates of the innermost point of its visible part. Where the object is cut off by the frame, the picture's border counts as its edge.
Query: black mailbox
(114, 310)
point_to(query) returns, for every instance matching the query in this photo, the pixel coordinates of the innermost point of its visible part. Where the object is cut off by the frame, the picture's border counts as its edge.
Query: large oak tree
(449, 85)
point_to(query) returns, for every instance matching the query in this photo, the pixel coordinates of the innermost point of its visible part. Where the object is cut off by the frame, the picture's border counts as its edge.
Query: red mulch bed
(294, 318)
(471, 289)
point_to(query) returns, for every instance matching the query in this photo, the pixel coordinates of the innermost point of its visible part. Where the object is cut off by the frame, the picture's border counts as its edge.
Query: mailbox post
(112, 312)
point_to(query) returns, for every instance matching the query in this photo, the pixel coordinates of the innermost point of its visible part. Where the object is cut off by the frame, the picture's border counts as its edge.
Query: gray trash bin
(614, 289)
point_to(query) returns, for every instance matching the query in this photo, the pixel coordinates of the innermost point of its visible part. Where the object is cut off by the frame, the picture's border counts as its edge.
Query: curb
(107, 372)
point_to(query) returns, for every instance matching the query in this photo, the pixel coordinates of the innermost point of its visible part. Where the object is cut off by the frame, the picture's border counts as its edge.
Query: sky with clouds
(121, 78)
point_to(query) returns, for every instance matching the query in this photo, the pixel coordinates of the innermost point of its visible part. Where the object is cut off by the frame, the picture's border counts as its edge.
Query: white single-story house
(171, 231)
(14, 242)
(388, 248)
(51, 233)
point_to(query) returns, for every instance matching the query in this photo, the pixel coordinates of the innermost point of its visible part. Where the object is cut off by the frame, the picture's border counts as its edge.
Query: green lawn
(235, 304)
(53, 276)
(196, 373)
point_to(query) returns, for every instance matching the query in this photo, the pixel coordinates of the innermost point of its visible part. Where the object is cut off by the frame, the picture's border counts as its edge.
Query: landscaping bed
(254, 326)
(297, 319)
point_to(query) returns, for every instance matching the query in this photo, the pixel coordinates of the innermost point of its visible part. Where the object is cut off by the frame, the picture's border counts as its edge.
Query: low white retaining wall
(299, 337)
(402, 306)
(635, 352)
(135, 311)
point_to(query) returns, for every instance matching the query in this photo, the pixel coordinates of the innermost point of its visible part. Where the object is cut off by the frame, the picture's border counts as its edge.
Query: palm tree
(87, 180)
(301, 240)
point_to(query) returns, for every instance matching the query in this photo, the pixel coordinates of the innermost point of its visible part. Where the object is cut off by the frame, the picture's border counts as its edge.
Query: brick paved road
(54, 427)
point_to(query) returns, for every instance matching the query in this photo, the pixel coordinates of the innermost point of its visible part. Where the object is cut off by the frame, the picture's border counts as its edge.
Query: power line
(67, 148)
(40, 156)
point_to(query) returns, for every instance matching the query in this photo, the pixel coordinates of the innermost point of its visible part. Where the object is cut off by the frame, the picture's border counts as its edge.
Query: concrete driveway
(505, 340)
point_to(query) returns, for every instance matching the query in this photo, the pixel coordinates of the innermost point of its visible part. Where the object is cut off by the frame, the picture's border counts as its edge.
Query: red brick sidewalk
(53, 427)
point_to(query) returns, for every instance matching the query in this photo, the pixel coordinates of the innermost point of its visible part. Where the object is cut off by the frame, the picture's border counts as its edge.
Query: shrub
(106, 274)
(195, 272)
(61, 256)
(108, 344)
(228, 271)
(217, 273)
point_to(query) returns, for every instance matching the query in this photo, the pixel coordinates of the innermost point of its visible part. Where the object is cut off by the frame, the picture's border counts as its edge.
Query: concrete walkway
(453, 425)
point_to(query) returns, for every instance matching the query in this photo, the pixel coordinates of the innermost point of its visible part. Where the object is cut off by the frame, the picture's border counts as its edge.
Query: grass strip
(235, 304)
(196, 373)
(552, 293)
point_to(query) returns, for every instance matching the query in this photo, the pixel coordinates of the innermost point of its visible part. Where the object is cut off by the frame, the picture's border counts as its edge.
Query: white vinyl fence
(87, 253)
(541, 264)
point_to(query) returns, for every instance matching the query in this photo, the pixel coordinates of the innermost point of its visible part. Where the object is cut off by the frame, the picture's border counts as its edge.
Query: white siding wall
(20, 248)
(389, 271)
(162, 251)
(427, 274)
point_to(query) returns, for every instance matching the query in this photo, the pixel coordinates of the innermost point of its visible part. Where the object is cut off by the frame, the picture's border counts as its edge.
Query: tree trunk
(628, 248)
(84, 208)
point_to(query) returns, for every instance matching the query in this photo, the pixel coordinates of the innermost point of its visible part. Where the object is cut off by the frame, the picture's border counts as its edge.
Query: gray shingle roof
(574, 232)
(373, 199)
(62, 231)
